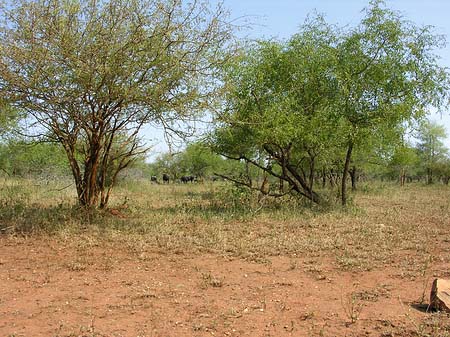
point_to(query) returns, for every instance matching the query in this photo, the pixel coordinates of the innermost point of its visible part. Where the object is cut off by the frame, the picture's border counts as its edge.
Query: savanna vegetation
(318, 173)
(90, 74)
(310, 112)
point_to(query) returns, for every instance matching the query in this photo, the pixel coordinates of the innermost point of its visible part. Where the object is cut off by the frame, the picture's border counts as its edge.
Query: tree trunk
(87, 182)
(299, 182)
(301, 185)
(91, 186)
(353, 177)
(312, 163)
(429, 176)
(332, 179)
(324, 178)
(348, 158)
(281, 186)
(402, 177)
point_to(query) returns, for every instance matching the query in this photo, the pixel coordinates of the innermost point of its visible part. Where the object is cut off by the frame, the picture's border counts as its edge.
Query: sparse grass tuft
(352, 306)
(209, 280)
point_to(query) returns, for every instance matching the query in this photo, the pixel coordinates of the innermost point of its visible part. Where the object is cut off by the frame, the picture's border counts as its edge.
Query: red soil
(51, 288)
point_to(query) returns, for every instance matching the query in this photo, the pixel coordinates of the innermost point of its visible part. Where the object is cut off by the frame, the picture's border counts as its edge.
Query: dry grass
(386, 226)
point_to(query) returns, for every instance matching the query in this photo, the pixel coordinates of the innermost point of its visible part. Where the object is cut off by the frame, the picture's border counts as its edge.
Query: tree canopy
(312, 100)
(88, 72)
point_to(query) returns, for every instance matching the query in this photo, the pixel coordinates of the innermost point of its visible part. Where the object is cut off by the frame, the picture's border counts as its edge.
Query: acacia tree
(326, 92)
(89, 71)
(276, 113)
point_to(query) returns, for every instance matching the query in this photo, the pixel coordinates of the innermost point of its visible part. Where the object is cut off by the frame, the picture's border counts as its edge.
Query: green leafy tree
(442, 168)
(165, 163)
(404, 162)
(31, 159)
(88, 72)
(329, 91)
(431, 148)
(198, 159)
(276, 116)
(388, 75)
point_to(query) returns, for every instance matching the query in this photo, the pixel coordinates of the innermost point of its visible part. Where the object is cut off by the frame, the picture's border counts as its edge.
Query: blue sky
(281, 18)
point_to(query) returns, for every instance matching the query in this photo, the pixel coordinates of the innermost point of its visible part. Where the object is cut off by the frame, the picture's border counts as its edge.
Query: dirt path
(49, 288)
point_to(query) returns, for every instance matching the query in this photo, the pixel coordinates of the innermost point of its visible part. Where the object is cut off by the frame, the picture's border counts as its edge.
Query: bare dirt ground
(181, 261)
(51, 287)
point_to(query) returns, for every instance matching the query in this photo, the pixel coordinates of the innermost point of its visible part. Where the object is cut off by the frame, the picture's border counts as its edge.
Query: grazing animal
(166, 178)
(153, 179)
(186, 179)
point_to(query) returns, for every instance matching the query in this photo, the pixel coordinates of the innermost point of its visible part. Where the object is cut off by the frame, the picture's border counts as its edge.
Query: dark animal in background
(153, 179)
(166, 178)
(187, 179)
